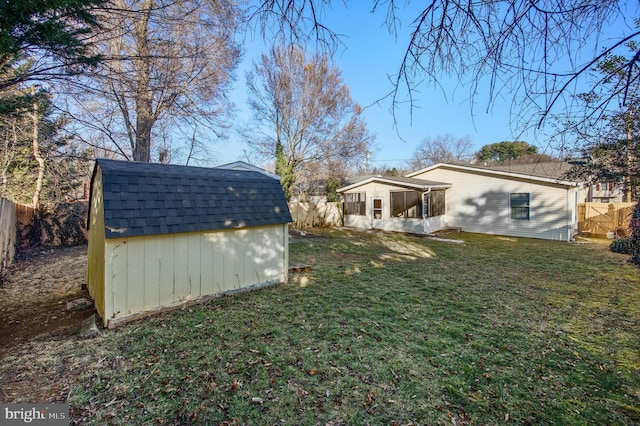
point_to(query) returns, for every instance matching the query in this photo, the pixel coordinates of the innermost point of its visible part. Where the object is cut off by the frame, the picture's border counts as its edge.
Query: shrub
(621, 245)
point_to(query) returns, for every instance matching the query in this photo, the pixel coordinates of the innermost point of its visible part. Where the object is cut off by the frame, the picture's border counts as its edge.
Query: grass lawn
(388, 329)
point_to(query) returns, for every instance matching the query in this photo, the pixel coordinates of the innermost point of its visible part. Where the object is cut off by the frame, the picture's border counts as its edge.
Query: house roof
(551, 169)
(404, 182)
(150, 199)
(549, 172)
(241, 165)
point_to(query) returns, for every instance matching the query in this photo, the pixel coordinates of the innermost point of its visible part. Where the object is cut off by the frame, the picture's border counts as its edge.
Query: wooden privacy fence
(306, 215)
(597, 219)
(7, 233)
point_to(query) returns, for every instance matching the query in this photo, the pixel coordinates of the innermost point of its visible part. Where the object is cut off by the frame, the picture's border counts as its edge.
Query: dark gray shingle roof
(148, 199)
(551, 169)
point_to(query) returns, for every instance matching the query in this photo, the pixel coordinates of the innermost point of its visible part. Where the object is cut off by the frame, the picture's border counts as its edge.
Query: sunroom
(395, 204)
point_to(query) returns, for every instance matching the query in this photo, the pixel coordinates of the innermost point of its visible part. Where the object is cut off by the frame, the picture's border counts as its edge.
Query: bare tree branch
(539, 52)
(166, 65)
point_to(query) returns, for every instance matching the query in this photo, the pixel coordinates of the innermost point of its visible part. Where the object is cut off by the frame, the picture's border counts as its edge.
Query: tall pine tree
(54, 32)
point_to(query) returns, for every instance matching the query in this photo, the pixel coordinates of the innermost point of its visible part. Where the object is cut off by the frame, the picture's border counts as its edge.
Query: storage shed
(163, 235)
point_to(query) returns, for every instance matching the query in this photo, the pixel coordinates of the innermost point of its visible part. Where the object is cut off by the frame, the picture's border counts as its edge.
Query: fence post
(7, 234)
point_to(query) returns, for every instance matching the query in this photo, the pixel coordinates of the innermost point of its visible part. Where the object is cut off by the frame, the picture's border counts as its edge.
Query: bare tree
(304, 115)
(30, 130)
(441, 149)
(167, 65)
(35, 117)
(9, 134)
(610, 145)
(537, 52)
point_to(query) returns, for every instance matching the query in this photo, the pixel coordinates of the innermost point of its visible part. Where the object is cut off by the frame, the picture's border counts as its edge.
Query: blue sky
(369, 56)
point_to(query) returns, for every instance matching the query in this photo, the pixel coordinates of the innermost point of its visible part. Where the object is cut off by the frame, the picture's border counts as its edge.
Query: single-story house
(530, 200)
(162, 235)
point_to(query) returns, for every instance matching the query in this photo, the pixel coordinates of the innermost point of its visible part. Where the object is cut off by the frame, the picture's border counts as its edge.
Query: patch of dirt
(33, 300)
(306, 235)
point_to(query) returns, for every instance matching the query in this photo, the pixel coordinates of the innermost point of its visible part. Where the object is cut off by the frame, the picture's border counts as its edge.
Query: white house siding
(358, 221)
(436, 223)
(413, 225)
(479, 202)
(147, 273)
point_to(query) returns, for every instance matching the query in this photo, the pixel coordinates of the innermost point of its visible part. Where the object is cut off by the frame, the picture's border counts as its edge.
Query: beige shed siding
(96, 253)
(151, 272)
(479, 202)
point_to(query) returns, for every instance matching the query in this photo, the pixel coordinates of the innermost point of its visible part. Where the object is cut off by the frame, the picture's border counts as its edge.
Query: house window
(355, 203)
(610, 186)
(519, 206)
(434, 204)
(407, 204)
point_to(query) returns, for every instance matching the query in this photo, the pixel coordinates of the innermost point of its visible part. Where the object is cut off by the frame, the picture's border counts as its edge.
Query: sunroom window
(434, 203)
(407, 204)
(355, 203)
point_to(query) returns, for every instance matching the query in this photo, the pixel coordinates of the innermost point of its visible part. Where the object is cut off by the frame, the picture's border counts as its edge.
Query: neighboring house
(606, 192)
(603, 192)
(526, 201)
(241, 165)
(162, 235)
(311, 191)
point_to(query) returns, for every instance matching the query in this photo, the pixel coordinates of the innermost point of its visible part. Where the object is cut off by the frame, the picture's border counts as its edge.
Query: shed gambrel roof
(151, 199)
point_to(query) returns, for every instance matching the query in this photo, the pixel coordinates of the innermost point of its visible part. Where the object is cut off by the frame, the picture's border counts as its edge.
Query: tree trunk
(8, 148)
(143, 96)
(36, 152)
(629, 180)
(142, 151)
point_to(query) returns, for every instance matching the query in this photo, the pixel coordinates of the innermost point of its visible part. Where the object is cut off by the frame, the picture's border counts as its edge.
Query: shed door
(376, 214)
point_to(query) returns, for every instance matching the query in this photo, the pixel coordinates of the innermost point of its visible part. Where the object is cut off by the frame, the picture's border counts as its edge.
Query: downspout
(424, 217)
(572, 201)
(571, 215)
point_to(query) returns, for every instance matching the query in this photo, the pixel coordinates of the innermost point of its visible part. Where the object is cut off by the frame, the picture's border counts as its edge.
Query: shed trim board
(228, 232)
(479, 200)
